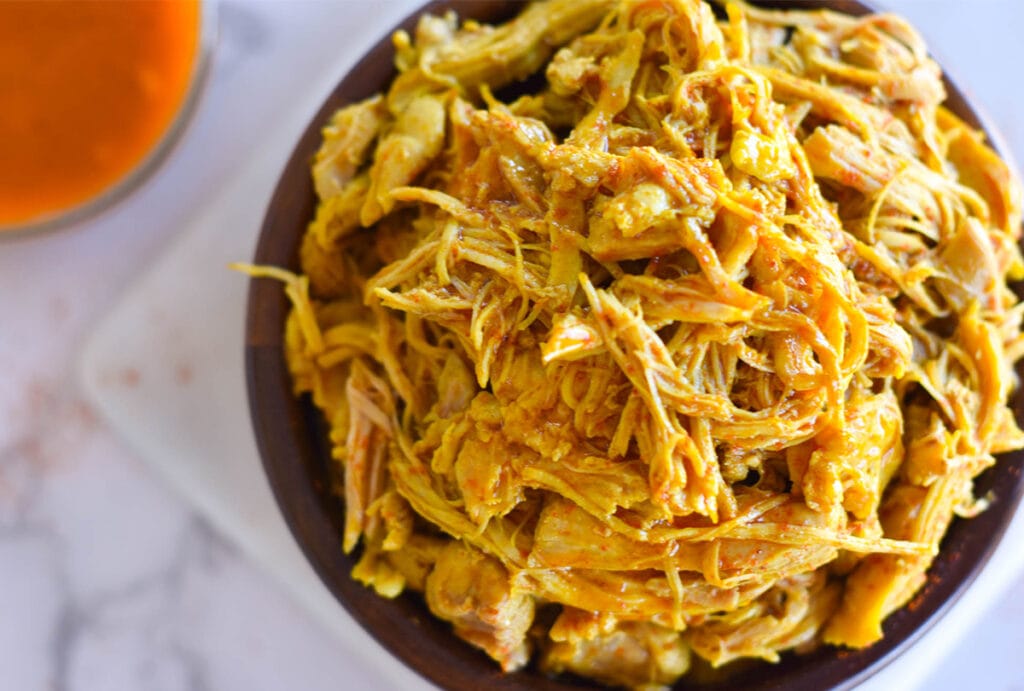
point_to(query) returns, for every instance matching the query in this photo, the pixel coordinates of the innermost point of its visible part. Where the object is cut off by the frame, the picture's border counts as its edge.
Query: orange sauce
(87, 89)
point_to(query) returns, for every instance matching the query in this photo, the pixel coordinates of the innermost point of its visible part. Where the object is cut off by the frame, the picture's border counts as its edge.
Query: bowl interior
(291, 436)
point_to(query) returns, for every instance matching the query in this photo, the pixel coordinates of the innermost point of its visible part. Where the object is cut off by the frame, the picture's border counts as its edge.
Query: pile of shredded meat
(693, 350)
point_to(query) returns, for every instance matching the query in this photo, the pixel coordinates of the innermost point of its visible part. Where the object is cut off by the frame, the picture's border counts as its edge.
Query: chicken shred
(700, 344)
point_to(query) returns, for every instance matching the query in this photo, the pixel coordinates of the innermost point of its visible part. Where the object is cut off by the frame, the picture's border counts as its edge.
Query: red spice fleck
(183, 374)
(85, 415)
(38, 398)
(849, 178)
(130, 377)
(32, 450)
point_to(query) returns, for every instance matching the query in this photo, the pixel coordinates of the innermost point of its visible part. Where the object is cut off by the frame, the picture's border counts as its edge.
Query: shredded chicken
(700, 345)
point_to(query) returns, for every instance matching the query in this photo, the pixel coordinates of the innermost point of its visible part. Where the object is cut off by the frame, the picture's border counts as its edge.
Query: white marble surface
(108, 579)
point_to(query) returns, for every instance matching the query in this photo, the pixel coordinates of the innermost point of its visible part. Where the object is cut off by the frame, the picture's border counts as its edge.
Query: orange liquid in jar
(87, 90)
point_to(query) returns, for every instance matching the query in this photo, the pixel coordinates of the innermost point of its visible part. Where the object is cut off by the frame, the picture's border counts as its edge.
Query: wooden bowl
(292, 440)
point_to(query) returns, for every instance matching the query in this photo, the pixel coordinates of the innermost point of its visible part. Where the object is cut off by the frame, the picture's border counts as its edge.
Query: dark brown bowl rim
(291, 439)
